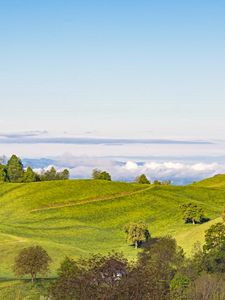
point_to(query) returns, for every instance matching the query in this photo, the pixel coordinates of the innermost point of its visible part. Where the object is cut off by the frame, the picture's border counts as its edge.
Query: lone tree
(142, 179)
(101, 175)
(137, 233)
(31, 261)
(15, 169)
(214, 236)
(192, 213)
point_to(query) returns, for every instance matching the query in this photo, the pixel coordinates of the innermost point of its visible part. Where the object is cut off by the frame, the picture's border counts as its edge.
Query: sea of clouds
(127, 170)
(181, 161)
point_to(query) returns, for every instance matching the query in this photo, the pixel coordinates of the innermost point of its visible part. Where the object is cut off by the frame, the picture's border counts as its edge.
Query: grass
(79, 217)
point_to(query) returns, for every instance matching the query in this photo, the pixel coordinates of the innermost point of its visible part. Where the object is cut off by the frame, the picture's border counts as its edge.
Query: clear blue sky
(113, 68)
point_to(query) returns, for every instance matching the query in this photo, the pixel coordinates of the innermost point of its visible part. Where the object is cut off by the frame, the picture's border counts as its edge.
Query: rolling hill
(78, 217)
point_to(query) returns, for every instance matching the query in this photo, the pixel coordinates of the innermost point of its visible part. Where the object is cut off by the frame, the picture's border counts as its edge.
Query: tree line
(161, 271)
(141, 179)
(14, 171)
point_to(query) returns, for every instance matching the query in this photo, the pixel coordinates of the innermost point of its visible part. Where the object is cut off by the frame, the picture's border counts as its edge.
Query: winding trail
(106, 198)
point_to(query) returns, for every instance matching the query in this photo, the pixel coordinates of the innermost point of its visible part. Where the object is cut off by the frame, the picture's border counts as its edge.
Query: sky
(146, 69)
(135, 86)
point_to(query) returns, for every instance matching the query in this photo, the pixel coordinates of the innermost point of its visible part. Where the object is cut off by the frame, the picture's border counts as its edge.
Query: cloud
(176, 171)
(130, 165)
(40, 137)
(21, 135)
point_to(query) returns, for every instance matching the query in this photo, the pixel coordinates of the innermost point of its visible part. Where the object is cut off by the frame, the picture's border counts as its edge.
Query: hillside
(218, 181)
(78, 217)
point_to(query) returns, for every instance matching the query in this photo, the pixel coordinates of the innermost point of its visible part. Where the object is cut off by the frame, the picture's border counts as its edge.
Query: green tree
(192, 213)
(157, 182)
(63, 175)
(15, 169)
(31, 261)
(101, 175)
(142, 179)
(30, 175)
(137, 233)
(214, 260)
(214, 236)
(158, 262)
(49, 175)
(3, 173)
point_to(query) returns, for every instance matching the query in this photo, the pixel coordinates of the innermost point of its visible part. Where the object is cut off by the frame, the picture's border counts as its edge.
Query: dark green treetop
(30, 175)
(15, 169)
(3, 173)
(142, 179)
(214, 236)
(101, 175)
(192, 213)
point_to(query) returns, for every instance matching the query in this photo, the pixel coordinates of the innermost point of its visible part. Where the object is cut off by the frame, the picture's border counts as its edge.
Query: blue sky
(148, 69)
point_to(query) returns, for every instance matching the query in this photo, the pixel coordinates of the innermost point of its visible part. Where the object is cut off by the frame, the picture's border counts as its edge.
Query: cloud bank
(179, 173)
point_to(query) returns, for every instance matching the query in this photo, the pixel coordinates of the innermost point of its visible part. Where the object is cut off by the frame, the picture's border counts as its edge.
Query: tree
(207, 287)
(49, 175)
(31, 261)
(142, 179)
(30, 175)
(137, 233)
(157, 182)
(214, 236)
(64, 175)
(101, 175)
(3, 173)
(214, 260)
(192, 213)
(15, 169)
(99, 277)
(158, 262)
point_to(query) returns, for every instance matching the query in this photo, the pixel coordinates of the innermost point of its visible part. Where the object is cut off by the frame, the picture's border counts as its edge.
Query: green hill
(78, 217)
(218, 181)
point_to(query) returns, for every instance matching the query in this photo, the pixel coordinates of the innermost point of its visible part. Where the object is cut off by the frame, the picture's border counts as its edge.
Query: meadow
(80, 217)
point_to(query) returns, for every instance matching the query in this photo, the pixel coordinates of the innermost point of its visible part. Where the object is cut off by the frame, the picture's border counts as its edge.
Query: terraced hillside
(79, 217)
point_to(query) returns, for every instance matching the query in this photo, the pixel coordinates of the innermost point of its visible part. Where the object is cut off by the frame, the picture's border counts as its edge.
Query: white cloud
(130, 165)
(177, 172)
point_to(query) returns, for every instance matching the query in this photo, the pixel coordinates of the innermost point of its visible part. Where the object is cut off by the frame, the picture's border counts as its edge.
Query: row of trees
(161, 271)
(142, 179)
(14, 171)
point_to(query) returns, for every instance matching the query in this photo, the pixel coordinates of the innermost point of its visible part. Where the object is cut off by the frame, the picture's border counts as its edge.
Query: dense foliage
(101, 175)
(13, 171)
(161, 272)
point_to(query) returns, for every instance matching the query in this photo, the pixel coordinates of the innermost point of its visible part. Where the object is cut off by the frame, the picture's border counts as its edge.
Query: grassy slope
(79, 217)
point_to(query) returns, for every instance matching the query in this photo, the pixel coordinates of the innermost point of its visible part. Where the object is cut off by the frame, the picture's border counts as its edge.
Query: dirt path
(106, 198)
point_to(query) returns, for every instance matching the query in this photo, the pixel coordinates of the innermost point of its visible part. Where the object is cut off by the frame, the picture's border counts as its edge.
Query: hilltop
(78, 217)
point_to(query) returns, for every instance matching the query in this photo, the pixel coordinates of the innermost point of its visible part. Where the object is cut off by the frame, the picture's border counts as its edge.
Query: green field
(79, 217)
